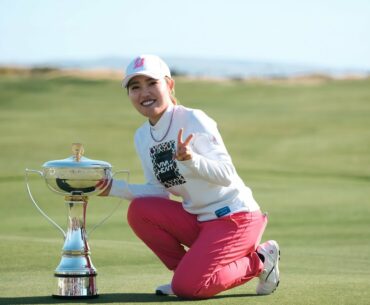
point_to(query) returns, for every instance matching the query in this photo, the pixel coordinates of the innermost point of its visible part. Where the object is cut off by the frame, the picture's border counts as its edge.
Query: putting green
(303, 148)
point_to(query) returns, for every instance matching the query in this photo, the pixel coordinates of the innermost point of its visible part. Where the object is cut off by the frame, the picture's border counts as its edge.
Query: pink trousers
(221, 253)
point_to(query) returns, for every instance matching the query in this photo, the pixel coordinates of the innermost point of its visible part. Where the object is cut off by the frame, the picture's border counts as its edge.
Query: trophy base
(76, 286)
(65, 297)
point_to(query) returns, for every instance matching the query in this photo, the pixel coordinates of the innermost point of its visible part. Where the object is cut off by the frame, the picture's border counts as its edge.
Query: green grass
(303, 149)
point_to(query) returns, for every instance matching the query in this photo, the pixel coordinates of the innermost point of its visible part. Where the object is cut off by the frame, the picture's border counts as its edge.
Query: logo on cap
(139, 62)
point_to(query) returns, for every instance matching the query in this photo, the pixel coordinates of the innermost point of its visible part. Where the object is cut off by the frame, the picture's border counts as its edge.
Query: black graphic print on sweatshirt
(164, 165)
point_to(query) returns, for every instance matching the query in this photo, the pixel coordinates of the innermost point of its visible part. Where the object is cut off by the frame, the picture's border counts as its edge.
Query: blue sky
(316, 32)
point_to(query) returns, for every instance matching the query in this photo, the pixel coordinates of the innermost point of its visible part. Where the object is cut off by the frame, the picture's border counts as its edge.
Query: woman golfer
(211, 239)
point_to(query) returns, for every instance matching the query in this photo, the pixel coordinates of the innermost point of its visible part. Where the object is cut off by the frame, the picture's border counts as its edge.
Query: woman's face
(150, 96)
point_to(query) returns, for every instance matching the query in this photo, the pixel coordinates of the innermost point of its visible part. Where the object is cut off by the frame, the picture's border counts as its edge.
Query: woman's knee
(189, 289)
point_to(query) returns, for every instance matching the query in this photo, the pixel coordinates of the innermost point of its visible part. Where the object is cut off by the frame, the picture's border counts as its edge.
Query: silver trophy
(76, 178)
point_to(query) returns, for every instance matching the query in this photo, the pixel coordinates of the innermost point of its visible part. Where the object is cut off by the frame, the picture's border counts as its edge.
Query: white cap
(149, 65)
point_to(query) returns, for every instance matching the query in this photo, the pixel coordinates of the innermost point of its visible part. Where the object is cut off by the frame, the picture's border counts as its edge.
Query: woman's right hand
(103, 184)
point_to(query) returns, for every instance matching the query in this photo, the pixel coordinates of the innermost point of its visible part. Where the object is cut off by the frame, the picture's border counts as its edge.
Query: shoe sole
(273, 267)
(278, 282)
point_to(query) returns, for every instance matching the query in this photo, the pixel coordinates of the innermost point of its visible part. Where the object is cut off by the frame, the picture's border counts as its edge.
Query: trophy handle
(116, 207)
(36, 205)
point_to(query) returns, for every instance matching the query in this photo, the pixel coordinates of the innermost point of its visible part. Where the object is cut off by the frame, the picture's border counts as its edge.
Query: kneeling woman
(218, 220)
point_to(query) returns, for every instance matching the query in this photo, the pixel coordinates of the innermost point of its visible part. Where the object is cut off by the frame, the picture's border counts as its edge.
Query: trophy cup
(76, 178)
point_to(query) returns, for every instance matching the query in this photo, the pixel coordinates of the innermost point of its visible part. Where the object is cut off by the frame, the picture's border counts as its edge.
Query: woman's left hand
(183, 148)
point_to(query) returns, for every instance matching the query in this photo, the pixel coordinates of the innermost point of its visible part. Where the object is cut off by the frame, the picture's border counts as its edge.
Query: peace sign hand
(183, 149)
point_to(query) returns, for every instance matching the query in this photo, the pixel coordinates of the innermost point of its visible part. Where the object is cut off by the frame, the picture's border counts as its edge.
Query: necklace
(167, 131)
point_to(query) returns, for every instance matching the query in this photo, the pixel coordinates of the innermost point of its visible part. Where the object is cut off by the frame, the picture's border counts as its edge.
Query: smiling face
(150, 96)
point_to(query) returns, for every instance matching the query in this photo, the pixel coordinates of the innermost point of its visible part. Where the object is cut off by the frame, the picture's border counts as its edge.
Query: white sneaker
(269, 278)
(164, 290)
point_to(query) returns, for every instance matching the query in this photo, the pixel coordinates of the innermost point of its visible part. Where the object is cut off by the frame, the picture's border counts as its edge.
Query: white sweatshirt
(208, 183)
